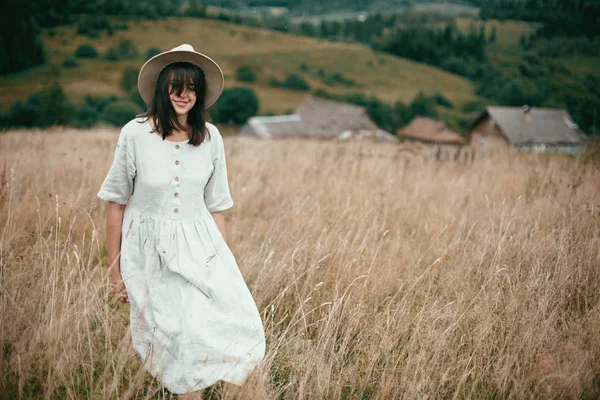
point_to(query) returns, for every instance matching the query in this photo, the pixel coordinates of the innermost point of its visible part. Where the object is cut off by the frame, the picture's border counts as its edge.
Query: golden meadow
(379, 272)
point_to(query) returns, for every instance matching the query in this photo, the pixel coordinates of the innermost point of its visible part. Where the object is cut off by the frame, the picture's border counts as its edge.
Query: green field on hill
(270, 53)
(447, 9)
(582, 64)
(508, 32)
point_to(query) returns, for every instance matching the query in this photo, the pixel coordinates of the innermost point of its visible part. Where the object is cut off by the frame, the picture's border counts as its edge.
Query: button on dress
(193, 319)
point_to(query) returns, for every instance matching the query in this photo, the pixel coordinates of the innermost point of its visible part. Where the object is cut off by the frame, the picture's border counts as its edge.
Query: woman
(193, 319)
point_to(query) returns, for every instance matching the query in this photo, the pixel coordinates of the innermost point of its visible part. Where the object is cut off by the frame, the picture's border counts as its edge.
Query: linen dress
(193, 320)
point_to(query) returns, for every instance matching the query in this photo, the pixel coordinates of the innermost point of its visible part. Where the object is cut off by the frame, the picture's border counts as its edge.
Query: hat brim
(148, 76)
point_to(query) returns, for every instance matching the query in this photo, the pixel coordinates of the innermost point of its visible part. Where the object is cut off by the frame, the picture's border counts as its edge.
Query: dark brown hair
(179, 76)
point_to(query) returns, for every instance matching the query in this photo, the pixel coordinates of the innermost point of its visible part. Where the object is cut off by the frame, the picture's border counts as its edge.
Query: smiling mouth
(180, 103)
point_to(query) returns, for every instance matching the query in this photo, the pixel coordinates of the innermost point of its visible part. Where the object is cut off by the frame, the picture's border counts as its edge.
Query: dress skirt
(193, 319)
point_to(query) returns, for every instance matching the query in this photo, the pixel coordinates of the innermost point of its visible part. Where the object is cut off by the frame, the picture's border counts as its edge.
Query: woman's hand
(117, 286)
(219, 218)
(114, 220)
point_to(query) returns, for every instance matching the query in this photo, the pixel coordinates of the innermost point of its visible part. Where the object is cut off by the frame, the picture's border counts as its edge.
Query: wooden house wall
(486, 135)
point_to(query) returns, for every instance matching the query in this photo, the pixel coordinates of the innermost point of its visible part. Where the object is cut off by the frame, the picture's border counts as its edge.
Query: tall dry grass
(379, 274)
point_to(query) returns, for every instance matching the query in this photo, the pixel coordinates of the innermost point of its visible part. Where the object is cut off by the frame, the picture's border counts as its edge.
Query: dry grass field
(379, 273)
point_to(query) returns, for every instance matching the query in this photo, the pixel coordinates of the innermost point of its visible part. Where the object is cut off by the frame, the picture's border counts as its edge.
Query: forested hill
(316, 7)
(551, 63)
(52, 11)
(560, 17)
(48, 13)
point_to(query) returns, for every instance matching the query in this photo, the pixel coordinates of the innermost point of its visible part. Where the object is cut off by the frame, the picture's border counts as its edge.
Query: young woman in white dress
(193, 320)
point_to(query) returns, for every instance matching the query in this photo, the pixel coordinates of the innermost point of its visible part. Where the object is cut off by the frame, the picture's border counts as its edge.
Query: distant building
(319, 119)
(428, 130)
(275, 127)
(532, 129)
(326, 119)
(378, 135)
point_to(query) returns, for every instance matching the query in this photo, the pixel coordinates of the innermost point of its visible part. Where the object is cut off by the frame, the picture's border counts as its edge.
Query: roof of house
(433, 131)
(522, 125)
(375, 135)
(328, 119)
(274, 126)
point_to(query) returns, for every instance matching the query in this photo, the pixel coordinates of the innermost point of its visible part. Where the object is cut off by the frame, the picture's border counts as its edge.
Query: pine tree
(20, 44)
(493, 36)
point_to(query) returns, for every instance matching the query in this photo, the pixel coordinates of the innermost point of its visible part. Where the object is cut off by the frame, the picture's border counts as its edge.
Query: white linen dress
(193, 320)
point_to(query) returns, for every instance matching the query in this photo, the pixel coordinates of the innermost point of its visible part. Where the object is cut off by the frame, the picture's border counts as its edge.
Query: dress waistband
(171, 210)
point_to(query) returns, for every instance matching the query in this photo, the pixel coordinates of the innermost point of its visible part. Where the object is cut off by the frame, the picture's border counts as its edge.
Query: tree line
(558, 17)
(439, 47)
(52, 106)
(20, 43)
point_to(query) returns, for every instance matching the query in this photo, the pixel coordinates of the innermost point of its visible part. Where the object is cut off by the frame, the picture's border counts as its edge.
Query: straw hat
(148, 77)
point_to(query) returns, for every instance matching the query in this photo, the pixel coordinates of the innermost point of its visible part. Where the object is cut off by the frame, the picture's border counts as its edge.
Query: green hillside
(508, 32)
(272, 54)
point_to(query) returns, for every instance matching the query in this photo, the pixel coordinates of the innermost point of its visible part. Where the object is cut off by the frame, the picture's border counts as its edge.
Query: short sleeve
(216, 192)
(118, 184)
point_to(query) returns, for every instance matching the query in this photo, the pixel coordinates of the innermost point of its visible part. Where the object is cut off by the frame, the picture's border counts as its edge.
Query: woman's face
(182, 103)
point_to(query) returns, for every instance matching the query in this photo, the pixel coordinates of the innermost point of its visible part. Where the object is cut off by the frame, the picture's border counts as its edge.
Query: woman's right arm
(114, 221)
(116, 189)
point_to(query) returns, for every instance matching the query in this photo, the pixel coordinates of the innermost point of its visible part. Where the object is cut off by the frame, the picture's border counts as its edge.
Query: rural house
(321, 119)
(274, 127)
(437, 134)
(532, 129)
(428, 130)
(326, 119)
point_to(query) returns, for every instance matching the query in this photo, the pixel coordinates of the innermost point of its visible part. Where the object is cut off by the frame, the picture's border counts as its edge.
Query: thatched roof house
(327, 119)
(428, 130)
(279, 126)
(537, 129)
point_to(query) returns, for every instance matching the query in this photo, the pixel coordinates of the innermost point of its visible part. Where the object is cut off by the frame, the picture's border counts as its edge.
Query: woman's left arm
(216, 192)
(219, 218)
